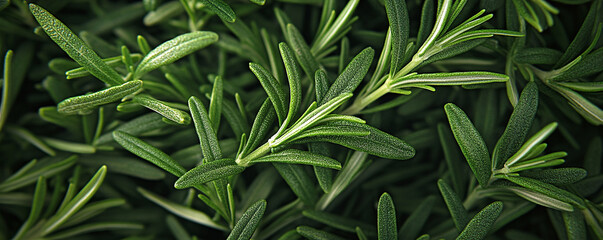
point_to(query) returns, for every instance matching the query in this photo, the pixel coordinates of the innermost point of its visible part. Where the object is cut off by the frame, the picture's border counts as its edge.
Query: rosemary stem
(258, 152)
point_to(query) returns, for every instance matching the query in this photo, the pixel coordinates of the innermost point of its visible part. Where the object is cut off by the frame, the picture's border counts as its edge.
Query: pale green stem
(258, 152)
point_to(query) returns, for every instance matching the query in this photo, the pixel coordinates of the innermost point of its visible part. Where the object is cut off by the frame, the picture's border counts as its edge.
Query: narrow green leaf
(589, 111)
(207, 135)
(315, 234)
(386, 218)
(163, 13)
(323, 175)
(454, 50)
(471, 143)
(302, 52)
(351, 76)
(299, 181)
(7, 86)
(36, 207)
(517, 127)
(547, 189)
(583, 86)
(582, 38)
(353, 166)
(261, 126)
(148, 152)
(24, 134)
(79, 72)
(235, 118)
(397, 14)
(480, 224)
(453, 158)
(76, 203)
(588, 65)
(294, 156)
(208, 172)
(273, 89)
(455, 205)
(537, 56)
(574, 225)
(415, 222)
(531, 143)
(21, 179)
(162, 108)
(74, 46)
(448, 79)
(376, 143)
(215, 104)
(321, 84)
(176, 228)
(85, 103)
(93, 209)
(182, 211)
(221, 9)
(174, 49)
(294, 83)
(250, 220)
(541, 199)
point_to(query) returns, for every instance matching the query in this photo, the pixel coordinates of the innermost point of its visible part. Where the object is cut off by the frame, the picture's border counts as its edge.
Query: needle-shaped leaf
(315, 234)
(207, 135)
(299, 181)
(294, 156)
(36, 207)
(397, 14)
(215, 105)
(148, 152)
(455, 205)
(351, 76)
(261, 126)
(321, 84)
(74, 46)
(25, 177)
(531, 143)
(471, 143)
(7, 86)
(250, 220)
(294, 83)
(588, 65)
(162, 108)
(174, 49)
(85, 103)
(574, 225)
(582, 38)
(308, 119)
(208, 172)
(182, 211)
(590, 111)
(448, 79)
(558, 176)
(541, 199)
(76, 203)
(547, 189)
(273, 89)
(386, 218)
(517, 127)
(415, 222)
(376, 143)
(537, 56)
(480, 224)
(302, 52)
(221, 9)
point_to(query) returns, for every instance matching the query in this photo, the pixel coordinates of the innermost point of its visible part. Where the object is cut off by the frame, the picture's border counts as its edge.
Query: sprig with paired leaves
(508, 170)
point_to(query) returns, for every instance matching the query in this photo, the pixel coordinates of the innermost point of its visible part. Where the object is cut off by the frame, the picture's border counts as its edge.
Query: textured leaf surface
(208, 172)
(74, 46)
(471, 143)
(250, 220)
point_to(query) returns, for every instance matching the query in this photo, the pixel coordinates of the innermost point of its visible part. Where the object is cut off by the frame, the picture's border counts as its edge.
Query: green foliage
(299, 112)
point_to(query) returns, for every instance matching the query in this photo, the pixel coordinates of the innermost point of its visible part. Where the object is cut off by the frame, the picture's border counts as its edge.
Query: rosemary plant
(313, 119)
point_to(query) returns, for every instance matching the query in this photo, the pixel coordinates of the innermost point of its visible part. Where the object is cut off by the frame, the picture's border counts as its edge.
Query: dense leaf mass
(301, 119)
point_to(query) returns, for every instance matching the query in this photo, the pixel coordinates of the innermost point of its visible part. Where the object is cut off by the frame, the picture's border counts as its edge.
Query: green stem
(364, 100)
(258, 152)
